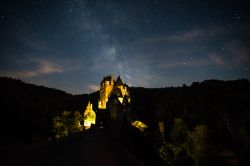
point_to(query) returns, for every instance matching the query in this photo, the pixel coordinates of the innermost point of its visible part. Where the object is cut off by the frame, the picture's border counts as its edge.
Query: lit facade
(89, 116)
(107, 86)
(113, 105)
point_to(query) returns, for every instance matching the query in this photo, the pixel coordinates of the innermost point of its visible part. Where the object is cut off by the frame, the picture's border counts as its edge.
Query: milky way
(71, 45)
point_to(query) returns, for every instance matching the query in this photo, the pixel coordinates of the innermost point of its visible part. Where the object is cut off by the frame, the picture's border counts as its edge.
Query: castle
(113, 103)
(110, 86)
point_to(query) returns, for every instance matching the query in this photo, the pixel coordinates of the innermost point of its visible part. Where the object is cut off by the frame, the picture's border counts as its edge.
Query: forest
(204, 123)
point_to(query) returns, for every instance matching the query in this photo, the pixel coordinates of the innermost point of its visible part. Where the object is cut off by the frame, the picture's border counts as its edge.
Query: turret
(118, 81)
(89, 116)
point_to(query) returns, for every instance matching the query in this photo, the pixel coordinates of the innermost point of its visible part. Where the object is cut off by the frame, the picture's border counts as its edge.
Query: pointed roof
(119, 81)
(89, 115)
(107, 78)
(88, 108)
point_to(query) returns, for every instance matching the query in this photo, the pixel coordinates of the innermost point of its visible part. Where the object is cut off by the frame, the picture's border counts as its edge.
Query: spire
(89, 106)
(119, 81)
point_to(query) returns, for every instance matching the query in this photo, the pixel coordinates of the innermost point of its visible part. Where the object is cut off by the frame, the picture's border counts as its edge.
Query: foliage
(185, 145)
(173, 151)
(179, 132)
(66, 124)
(198, 144)
(169, 152)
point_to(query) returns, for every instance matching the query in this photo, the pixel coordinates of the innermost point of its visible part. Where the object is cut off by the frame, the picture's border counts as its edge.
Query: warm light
(140, 125)
(89, 116)
(120, 99)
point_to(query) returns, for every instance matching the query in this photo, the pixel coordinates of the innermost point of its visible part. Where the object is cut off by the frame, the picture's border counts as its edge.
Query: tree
(198, 144)
(168, 152)
(66, 124)
(179, 132)
(174, 152)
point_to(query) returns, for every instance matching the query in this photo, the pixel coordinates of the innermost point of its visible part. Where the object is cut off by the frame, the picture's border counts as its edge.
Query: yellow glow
(89, 116)
(120, 99)
(161, 126)
(140, 125)
(106, 88)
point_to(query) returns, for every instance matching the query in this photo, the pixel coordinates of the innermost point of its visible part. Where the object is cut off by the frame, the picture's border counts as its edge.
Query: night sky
(71, 45)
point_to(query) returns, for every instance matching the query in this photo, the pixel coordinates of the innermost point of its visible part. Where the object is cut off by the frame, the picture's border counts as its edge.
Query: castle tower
(89, 116)
(123, 89)
(106, 88)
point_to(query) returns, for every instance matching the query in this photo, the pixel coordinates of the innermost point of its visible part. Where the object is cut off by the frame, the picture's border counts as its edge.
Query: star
(237, 17)
(146, 38)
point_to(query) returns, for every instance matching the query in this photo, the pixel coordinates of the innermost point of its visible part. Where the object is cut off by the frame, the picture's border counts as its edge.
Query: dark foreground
(100, 146)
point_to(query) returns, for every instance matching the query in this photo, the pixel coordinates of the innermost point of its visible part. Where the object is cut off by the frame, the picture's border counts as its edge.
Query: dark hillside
(210, 102)
(223, 106)
(27, 109)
